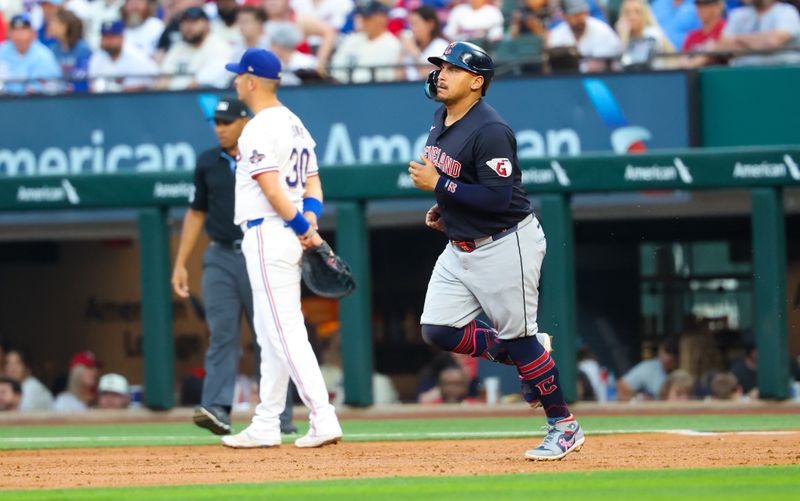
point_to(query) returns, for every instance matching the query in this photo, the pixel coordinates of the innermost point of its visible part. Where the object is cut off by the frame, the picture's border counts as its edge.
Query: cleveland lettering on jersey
(478, 149)
(443, 161)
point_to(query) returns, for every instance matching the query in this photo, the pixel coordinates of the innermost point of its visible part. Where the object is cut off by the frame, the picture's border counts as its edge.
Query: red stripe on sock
(538, 367)
(474, 339)
(536, 363)
(541, 371)
(466, 340)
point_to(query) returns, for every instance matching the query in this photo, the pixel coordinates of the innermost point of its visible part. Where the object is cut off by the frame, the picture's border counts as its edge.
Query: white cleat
(246, 439)
(308, 440)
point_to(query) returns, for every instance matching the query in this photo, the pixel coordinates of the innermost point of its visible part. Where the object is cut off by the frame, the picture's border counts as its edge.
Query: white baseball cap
(113, 383)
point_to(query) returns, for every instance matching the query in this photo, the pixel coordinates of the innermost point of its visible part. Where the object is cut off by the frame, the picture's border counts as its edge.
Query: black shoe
(213, 418)
(288, 429)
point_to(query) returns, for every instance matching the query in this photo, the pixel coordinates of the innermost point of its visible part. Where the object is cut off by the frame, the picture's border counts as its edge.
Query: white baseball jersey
(274, 140)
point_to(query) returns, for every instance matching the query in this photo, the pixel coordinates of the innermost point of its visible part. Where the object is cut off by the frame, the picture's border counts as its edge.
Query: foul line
(380, 436)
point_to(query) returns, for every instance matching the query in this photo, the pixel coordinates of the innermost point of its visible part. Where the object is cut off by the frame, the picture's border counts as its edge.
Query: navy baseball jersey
(480, 148)
(214, 182)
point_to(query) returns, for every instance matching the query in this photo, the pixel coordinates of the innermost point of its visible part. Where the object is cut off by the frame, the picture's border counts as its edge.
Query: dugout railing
(764, 172)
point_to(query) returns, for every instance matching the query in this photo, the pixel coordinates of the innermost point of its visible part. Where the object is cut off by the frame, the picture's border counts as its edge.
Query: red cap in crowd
(85, 358)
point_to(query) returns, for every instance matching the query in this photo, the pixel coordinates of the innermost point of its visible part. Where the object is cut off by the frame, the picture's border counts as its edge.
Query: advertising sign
(353, 124)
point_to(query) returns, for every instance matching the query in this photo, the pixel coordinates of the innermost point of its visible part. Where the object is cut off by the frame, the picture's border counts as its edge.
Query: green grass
(110, 435)
(743, 483)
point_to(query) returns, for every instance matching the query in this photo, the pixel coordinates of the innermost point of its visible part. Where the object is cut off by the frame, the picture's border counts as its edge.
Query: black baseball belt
(232, 245)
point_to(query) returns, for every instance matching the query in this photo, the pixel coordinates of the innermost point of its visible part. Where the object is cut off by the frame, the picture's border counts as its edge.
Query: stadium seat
(483, 43)
(521, 55)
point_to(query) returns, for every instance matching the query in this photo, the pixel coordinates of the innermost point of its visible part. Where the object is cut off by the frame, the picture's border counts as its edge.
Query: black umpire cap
(229, 109)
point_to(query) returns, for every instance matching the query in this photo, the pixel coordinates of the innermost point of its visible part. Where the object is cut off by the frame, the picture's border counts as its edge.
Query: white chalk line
(379, 436)
(695, 433)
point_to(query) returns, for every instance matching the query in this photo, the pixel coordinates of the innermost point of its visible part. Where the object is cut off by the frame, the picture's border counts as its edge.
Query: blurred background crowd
(80, 387)
(689, 367)
(57, 46)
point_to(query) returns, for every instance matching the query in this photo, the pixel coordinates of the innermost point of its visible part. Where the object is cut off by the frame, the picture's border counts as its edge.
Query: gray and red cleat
(562, 437)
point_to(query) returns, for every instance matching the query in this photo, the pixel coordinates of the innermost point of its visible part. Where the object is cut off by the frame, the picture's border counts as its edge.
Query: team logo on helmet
(449, 48)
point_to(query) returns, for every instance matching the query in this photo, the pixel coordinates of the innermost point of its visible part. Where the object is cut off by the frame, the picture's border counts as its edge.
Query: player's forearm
(270, 185)
(313, 188)
(312, 201)
(192, 227)
(478, 196)
(282, 205)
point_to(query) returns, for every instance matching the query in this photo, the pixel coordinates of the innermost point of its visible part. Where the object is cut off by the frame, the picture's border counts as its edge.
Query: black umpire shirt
(480, 148)
(214, 187)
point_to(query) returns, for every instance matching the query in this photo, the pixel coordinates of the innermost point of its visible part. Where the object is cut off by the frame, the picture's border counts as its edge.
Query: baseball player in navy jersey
(278, 203)
(496, 245)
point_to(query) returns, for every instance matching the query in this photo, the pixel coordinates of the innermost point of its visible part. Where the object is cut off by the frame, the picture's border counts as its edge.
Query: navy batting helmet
(469, 57)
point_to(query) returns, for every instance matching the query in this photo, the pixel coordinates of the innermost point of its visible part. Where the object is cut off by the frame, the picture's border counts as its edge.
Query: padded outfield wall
(380, 123)
(552, 116)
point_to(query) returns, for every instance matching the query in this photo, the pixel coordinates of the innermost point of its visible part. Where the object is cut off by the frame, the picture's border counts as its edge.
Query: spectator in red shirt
(710, 13)
(2, 27)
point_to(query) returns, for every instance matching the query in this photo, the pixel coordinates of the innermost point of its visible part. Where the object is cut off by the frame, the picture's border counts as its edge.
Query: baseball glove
(325, 273)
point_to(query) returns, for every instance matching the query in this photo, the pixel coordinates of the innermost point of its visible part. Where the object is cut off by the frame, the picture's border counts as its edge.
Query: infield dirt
(140, 466)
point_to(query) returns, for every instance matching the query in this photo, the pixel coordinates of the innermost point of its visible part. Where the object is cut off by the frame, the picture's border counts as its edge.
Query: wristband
(311, 204)
(299, 224)
(441, 184)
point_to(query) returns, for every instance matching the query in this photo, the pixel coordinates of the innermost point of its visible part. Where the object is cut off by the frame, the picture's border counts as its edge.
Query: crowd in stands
(50, 46)
(83, 386)
(446, 379)
(453, 378)
(661, 378)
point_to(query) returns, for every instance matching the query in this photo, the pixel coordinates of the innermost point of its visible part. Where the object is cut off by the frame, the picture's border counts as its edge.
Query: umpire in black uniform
(226, 288)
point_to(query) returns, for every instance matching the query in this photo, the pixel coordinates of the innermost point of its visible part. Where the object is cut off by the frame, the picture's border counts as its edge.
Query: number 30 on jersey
(299, 162)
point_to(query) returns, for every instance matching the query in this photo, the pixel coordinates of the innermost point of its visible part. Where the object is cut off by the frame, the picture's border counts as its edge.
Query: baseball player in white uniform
(278, 202)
